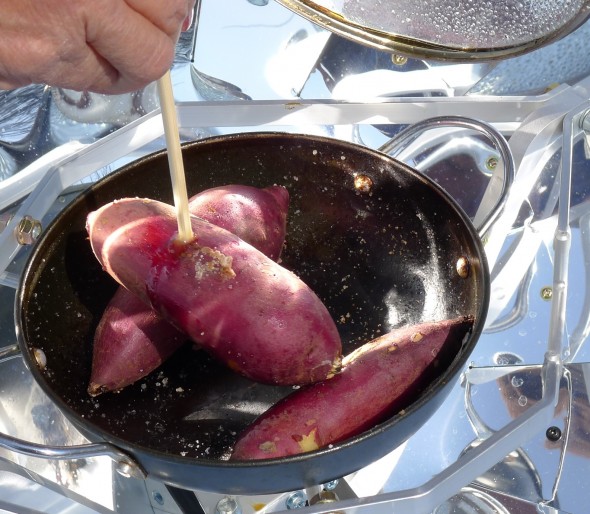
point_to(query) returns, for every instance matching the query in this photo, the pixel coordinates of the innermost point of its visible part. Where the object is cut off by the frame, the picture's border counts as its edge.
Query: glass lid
(460, 30)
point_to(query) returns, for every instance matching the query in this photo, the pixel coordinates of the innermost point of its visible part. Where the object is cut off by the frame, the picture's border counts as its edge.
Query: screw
(227, 505)
(491, 163)
(553, 434)
(463, 267)
(363, 183)
(296, 500)
(399, 60)
(40, 358)
(330, 486)
(158, 498)
(124, 469)
(547, 293)
(28, 230)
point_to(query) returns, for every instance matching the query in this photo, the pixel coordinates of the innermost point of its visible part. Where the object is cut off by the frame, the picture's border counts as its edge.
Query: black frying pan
(378, 257)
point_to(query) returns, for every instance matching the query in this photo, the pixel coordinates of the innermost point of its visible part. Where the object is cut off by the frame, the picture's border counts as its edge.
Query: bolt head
(227, 505)
(492, 163)
(553, 434)
(296, 500)
(463, 267)
(40, 358)
(28, 230)
(363, 183)
(399, 60)
(330, 486)
(547, 293)
(158, 498)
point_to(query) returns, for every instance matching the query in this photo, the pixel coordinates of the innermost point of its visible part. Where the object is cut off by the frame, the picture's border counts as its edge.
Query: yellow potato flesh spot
(308, 442)
(417, 337)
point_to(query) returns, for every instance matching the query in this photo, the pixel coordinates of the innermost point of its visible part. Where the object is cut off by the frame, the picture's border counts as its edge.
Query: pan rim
(427, 395)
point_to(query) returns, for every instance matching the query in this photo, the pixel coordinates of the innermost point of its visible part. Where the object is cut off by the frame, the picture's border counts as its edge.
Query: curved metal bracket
(496, 187)
(124, 464)
(9, 352)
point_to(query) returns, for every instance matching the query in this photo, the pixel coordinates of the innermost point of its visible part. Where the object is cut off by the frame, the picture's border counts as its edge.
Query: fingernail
(188, 21)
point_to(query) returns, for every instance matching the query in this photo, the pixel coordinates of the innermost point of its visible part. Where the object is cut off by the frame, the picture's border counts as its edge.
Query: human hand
(104, 46)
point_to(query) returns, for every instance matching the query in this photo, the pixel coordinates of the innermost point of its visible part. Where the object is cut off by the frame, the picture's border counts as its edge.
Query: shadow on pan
(379, 256)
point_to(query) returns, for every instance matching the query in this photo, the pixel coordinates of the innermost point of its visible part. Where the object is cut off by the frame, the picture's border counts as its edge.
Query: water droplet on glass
(517, 381)
(522, 400)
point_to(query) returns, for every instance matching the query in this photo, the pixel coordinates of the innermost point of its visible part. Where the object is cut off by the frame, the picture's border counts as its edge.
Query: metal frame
(560, 112)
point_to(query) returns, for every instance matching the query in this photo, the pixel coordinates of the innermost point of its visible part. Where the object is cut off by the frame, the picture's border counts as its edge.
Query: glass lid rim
(422, 49)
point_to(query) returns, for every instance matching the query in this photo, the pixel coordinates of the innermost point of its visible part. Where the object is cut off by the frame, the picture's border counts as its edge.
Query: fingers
(110, 46)
(131, 45)
(188, 21)
(168, 16)
(140, 41)
(47, 46)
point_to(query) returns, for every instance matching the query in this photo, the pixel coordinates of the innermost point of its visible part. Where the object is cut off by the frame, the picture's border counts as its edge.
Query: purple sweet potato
(376, 381)
(258, 216)
(131, 339)
(244, 308)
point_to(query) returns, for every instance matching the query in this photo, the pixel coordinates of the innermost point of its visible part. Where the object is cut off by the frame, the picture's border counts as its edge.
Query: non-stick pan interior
(375, 240)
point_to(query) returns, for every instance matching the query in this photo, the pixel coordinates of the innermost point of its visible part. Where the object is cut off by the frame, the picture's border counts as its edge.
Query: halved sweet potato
(376, 381)
(131, 339)
(245, 309)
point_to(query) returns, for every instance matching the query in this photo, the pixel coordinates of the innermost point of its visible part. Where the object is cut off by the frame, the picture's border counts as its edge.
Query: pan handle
(9, 352)
(497, 188)
(124, 464)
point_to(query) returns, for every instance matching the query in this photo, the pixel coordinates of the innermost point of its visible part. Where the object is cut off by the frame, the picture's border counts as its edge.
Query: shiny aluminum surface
(246, 86)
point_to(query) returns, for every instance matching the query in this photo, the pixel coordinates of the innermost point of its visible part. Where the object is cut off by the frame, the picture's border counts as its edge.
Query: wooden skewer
(168, 107)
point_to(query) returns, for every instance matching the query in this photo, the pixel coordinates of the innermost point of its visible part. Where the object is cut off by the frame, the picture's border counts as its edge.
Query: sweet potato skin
(237, 303)
(131, 339)
(375, 382)
(258, 216)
